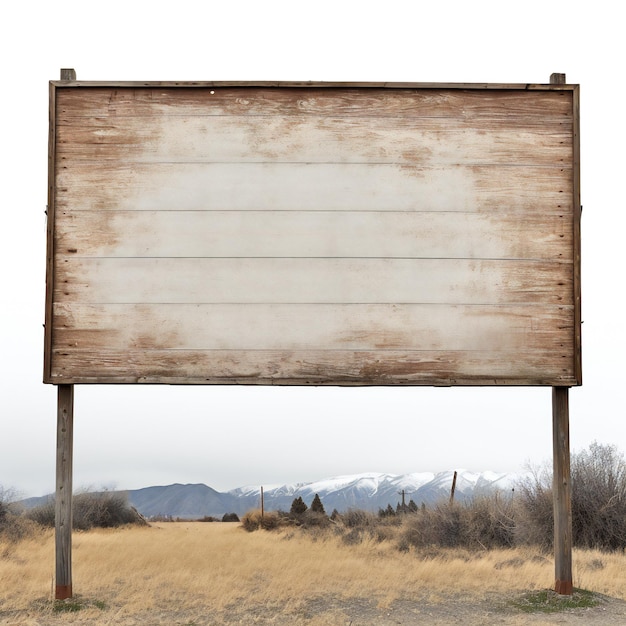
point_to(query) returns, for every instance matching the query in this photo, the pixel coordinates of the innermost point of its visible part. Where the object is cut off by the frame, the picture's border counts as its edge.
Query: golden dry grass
(177, 570)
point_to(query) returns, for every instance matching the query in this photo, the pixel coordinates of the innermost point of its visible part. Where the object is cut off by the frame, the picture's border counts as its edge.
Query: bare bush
(599, 498)
(255, 520)
(103, 509)
(13, 525)
(534, 520)
(43, 514)
(598, 477)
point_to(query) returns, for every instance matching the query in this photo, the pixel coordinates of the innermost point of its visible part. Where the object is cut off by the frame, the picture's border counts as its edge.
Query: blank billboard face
(313, 234)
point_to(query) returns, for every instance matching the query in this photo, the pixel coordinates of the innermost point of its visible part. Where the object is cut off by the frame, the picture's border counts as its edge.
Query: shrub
(599, 498)
(355, 518)
(43, 514)
(104, 509)
(535, 511)
(13, 526)
(312, 518)
(598, 477)
(254, 520)
(484, 522)
(230, 517)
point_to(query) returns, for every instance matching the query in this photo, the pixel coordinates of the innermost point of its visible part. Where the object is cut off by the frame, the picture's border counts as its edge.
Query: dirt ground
(333, 611)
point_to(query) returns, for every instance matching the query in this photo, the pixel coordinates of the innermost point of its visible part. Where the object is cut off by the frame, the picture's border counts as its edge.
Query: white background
(131, 437)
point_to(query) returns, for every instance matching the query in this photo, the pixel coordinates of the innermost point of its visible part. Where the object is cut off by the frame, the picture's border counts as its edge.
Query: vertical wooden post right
(64, 471)
(561, 482)
(63, 502)
(562, 492)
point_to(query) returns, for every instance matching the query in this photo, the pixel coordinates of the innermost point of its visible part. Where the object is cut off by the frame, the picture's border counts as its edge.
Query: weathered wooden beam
(68, 74)
(562, 492)
(63, 505)
(562, 487)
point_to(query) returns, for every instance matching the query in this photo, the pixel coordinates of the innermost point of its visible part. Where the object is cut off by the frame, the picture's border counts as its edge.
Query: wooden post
(561, 482)
(63, 510)
(562, 492)
(453, 487)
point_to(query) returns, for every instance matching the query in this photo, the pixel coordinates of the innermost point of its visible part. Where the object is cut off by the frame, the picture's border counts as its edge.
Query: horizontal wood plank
(301, 327)
(334, 234)
(136, 101)
(306, 139)
(314, 281)
(312, 187)
(317, 367)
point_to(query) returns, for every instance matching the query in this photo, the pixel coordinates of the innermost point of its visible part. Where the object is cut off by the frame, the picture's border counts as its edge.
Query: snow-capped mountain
(368, 491)
(373, 491)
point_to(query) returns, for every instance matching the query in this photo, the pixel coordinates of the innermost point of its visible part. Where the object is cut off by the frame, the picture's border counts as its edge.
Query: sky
(129, 437)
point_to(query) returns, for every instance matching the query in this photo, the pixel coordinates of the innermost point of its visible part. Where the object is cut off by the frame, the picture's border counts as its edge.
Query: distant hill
(369, 491)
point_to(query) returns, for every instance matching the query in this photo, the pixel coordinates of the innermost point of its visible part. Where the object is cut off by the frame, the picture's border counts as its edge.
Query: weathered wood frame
(560, 402)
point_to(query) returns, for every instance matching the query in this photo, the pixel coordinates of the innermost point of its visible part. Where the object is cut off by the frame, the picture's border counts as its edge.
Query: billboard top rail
(318, 84)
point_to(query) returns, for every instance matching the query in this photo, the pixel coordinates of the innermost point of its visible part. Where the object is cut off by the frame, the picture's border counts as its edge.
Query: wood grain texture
(241, 233)
(314, 367)
(63, 498)
(562, 491)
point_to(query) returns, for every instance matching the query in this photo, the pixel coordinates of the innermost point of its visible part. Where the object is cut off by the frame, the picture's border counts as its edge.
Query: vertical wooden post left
(63, 510)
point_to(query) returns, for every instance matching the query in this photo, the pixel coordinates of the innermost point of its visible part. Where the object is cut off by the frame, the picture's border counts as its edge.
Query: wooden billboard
(301, 233)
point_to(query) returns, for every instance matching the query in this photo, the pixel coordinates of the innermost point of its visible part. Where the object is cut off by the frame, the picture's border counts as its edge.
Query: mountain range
(369, 491)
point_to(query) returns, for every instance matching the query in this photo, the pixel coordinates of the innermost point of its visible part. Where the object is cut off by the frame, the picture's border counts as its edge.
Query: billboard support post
(63, 502)
(562, 492)
(561, 480)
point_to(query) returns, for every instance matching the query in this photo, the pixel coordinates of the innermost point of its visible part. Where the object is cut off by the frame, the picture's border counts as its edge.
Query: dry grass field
(196, 574)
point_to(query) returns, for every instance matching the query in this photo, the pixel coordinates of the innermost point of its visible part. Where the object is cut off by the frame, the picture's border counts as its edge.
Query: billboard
(303, 233)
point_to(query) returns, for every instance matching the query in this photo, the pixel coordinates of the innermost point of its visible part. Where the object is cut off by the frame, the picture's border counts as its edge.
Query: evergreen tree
(298, 507)
(317, 506)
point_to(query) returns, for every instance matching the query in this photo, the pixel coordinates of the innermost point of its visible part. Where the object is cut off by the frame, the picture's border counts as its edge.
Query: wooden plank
(346, 367)
(532, 190)
(115, 102)
(50, 232)
(303, 139)
(311, 84)
(577, 214)
(322, 326)
(312, 281)
(336, 234)
(63, 499)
